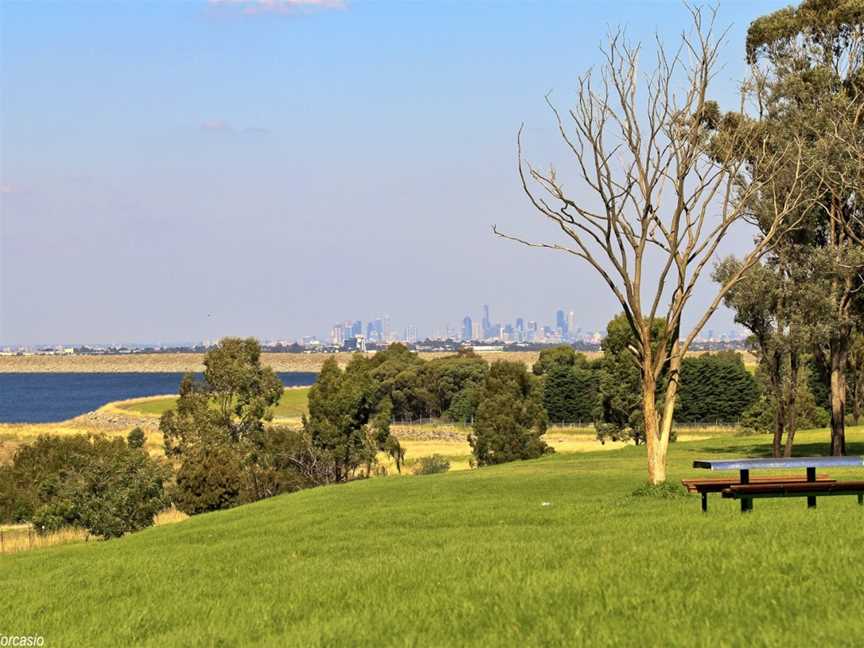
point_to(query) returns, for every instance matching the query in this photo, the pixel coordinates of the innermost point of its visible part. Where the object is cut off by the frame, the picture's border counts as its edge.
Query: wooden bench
(811, 490)
(720, 484)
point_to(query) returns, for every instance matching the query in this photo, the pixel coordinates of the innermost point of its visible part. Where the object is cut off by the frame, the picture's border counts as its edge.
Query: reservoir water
(51, 397)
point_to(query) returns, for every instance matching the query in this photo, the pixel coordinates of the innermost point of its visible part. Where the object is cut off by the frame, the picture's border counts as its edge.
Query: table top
(779, 463)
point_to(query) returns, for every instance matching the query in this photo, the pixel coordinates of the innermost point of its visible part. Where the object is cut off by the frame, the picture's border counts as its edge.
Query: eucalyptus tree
(768, 303)
(667, 181)
(809, 62)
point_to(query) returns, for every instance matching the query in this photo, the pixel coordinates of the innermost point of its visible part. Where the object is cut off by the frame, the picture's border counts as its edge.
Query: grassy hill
(293, 404)
(554, 552)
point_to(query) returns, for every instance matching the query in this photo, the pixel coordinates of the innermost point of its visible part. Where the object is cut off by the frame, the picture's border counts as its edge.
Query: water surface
(51, 397)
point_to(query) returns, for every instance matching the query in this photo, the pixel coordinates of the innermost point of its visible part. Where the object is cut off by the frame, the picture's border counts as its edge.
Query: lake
(52, 397)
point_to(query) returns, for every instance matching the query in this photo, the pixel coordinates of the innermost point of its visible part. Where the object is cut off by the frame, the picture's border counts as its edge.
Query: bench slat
(794, 488)
(719, 484)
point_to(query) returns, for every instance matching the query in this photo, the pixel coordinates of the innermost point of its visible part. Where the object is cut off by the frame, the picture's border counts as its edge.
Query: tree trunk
(656, 452)
(776, 377)
(839, 351)
(792, 421)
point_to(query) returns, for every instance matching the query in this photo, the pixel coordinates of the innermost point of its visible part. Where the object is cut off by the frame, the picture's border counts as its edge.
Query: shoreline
(193, 362)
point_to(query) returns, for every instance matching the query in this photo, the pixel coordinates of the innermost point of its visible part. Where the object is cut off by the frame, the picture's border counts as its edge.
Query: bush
(432, 465)
(209, 479)
(99, 484)
(136, 438)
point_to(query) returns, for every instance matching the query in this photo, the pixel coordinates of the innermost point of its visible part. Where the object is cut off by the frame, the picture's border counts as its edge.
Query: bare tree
(669, 181)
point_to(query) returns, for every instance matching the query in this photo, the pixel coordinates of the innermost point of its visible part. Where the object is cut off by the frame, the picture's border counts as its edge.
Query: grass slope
(471, 558)
(293, 404)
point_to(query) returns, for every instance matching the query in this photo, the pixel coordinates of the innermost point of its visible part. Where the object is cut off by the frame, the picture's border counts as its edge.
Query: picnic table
(746, 489)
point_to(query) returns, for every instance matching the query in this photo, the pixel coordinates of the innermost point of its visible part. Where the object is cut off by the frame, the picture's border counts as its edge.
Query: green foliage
(817, 21)
(618, 415)
(560, 356)
(220, 434)
(570, 393)
(211, 478)
(230, 405)
(510, 419)
(455, 383)
(136, 438)
(714, 389)
(103, 485)
(761, 415)
(347, 419)
(819, 381)
(398, 376)
(432, 465)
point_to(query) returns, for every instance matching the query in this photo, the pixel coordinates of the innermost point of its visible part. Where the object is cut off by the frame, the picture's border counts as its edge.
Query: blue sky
(186, 170)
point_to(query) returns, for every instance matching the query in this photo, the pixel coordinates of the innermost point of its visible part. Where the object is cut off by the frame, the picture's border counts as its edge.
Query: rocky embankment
(109, 419)
(183, 362)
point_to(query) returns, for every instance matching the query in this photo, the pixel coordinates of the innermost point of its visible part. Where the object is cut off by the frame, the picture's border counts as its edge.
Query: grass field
(548, 552)
(291, 405)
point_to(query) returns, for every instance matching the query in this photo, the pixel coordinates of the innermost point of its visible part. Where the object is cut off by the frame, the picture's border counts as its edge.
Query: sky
(185, 170)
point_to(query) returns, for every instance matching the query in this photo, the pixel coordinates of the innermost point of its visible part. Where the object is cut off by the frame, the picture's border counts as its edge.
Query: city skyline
(382, 330)
(355, 163)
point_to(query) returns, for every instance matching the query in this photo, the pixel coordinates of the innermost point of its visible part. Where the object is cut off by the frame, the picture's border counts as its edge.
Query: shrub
(209, 479)
(99, 484)
(432, 465)
(136, 438)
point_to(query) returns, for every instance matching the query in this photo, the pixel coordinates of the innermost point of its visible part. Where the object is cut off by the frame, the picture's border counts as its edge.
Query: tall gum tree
(810, 60)
(668, 182)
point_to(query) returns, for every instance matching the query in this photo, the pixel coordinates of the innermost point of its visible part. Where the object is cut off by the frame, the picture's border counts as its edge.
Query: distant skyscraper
(357, 328)
(561, 322)
(467, 328)
(337, 335)
(411, 334)
(476, 333)
(487, 322)
(571, 323)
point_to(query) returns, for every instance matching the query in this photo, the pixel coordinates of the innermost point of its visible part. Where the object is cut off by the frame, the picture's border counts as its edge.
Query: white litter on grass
(546, 504)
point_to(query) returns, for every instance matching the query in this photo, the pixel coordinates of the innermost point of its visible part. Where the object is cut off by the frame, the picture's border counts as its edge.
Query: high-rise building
(561, 323)
(476, 333)
(487, 322)
(571, 323)
(411, 334)
(337, 335)
(385, 328)
(375, 331)
(356, 328)
(467, 328)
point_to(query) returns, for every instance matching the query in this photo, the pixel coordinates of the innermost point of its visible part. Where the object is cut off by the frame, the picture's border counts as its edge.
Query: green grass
(292, 404)
(470, 558)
